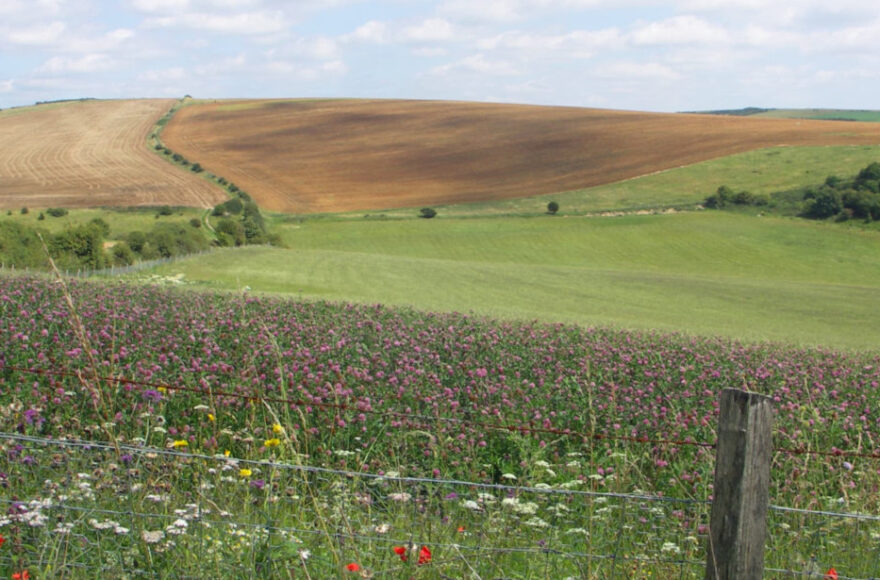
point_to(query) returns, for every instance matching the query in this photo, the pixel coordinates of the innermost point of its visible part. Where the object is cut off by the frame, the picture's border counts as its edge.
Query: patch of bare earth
(344, 155)
(92, 154)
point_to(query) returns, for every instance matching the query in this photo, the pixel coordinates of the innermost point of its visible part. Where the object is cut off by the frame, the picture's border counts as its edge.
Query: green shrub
(822, 203)
(552, 207)
(57, 211)
(233, 229)
(122, 254)
(427, 212)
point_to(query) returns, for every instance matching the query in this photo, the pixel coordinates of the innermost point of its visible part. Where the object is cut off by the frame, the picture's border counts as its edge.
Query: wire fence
(488, 425)
(112, 270)
(553, 531)
(626, 533)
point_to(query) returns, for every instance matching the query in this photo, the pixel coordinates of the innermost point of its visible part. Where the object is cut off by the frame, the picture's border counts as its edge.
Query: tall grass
(262, 437)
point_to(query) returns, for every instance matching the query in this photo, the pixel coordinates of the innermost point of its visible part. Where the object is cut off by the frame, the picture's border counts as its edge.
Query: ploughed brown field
(340, 155)
(91, 154)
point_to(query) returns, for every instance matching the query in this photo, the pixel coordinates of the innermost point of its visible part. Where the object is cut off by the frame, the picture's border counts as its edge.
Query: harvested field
(90, 154)
(342, 155)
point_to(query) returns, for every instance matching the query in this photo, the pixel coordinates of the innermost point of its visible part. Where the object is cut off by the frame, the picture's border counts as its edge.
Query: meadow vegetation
(150, 432)
(707, 273)
(363, 426)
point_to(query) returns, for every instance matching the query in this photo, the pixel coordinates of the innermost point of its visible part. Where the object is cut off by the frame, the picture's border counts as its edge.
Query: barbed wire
(403, 415)
(355, 407)
(153, 452)
(341, 472)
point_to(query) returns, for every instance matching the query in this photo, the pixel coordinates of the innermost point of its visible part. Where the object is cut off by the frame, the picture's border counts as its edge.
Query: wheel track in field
(94, 153)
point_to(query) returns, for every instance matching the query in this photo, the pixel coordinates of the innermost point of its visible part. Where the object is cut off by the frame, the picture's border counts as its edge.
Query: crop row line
(523, 429)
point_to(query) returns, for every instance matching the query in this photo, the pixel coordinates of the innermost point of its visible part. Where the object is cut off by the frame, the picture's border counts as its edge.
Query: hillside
(89, 154)
(310, 156)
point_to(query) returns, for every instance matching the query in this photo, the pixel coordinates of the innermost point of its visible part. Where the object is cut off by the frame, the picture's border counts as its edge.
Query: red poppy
(831, 574)
(400, 551)
(424, 555)
(2, 539)
(23, 575)
(460, 529)
(353, 567)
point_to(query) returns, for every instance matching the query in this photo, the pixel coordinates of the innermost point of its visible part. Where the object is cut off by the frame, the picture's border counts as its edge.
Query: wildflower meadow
(154, 432)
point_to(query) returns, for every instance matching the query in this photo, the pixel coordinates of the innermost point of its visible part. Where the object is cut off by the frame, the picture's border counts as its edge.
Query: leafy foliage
(837, 197)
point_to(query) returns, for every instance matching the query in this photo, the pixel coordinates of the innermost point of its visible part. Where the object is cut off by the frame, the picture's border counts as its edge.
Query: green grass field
(823, 114)
(707, 273)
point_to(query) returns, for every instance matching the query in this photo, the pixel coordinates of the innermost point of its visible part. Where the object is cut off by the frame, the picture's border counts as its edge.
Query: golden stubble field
(90, 154)
(309, 156)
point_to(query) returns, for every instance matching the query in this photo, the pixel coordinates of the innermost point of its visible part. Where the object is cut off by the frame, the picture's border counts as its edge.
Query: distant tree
(122, 254)
(165, 210)
(196, 168)
(102, 226)
(552, 207)
(822, 203)
(195, 222)
(56, 211)
(427, 212)
(233, 230)
(743, 198)
(870, 173)
(24, 211)
(137, 240)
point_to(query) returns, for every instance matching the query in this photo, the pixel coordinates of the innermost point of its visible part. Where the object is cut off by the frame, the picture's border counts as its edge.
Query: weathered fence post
(738, 528)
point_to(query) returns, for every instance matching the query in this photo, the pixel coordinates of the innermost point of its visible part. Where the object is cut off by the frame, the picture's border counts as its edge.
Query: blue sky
(624, 54)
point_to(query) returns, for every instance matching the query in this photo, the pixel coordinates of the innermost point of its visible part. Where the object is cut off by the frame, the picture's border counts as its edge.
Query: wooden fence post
(738, 528)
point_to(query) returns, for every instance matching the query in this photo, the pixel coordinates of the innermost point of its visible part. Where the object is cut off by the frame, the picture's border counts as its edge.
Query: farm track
(348, 155)
(89, 154)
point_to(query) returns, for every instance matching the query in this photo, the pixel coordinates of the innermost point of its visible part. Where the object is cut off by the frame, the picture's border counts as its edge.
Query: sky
(648, 55)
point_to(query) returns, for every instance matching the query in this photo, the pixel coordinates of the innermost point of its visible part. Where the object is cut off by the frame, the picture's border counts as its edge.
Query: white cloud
(88, 63)
(628, 70)
(372, 31)
(159, 76)
(40, 35)
(482, 11)
(679, 30)
(576, 44)
(477, 63)
(431, 30)
(246, 24)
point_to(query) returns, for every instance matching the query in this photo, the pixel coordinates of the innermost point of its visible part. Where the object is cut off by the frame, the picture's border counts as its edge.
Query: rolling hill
(91, 154)
(310, 156)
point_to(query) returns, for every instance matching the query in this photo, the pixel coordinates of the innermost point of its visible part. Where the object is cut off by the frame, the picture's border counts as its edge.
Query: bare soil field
(91, 154)
(310, 156)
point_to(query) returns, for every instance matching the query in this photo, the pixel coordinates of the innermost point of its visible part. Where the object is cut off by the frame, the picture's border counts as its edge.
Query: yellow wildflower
(226, 453)
(180, 443)
(272, 442)
(277, 429)
(245, 472)
(211, 417)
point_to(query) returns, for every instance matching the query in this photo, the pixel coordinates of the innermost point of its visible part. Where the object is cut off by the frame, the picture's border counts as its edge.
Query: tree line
(837, 198)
